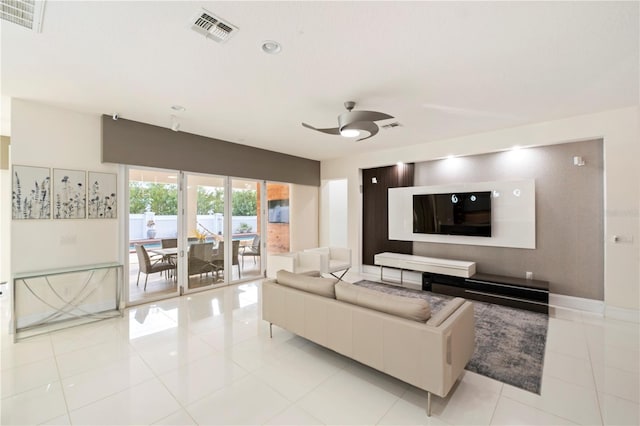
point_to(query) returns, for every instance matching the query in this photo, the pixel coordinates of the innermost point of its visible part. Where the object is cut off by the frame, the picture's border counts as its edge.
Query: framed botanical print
(69, 194)
(31, 192)
(102, 195)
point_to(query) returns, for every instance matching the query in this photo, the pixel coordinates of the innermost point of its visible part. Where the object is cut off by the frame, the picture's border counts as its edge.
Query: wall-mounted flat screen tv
(278, 211)
(455, 213)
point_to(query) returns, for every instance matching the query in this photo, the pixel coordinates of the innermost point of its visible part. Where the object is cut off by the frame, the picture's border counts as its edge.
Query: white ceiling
(443, 69)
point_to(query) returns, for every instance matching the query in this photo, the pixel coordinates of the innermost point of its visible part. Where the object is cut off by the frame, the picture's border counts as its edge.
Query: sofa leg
(270, 331)
(428, 404)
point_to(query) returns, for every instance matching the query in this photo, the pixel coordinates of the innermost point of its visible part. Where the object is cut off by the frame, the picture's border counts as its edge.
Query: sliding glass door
(205, 230)
(152, 234)
(189, 232)
(246, 238)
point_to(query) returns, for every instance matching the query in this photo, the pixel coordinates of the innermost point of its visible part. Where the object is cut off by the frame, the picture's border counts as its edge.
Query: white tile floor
(208, 359)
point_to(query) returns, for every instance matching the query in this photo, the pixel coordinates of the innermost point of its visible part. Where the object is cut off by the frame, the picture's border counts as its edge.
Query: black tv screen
(455, 213)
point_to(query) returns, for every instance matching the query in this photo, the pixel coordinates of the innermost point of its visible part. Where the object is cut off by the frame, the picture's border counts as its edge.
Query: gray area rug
(509, 342)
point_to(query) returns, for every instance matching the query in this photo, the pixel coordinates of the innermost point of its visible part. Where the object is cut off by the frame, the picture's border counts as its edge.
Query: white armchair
(296, 262)
(333, 260)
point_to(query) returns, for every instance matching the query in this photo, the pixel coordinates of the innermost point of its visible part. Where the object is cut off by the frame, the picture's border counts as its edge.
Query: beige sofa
(428, 351)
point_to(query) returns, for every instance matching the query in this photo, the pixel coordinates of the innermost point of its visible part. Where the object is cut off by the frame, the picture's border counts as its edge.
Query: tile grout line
(107, 365)
(495, 408)
(303, 395)
(541, 410)
(406, 390)
(64, 394)
(593, 373)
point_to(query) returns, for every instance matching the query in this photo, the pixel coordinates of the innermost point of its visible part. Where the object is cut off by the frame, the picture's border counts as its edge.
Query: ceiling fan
(354, 124)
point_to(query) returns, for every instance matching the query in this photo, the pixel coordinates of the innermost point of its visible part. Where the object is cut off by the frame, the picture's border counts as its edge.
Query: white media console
(456, 268)
(459, 278)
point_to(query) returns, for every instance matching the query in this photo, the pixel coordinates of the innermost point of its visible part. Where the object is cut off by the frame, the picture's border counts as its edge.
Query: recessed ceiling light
(178, 108)
(271, 47)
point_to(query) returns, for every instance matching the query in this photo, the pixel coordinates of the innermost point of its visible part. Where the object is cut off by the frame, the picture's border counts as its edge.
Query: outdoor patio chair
(200, 259)
(146, 266)
(218, 257)
(169, 243)
(251, 250)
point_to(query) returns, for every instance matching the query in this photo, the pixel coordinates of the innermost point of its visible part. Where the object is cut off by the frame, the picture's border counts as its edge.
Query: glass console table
(50, 300)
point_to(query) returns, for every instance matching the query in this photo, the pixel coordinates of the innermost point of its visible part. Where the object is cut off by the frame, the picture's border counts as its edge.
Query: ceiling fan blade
(368, 116)
(350, 117)
(372, 128)
(334, 131)
(368, 126)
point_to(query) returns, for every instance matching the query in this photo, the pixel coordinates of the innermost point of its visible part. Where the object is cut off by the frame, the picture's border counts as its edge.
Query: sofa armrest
(459, 331)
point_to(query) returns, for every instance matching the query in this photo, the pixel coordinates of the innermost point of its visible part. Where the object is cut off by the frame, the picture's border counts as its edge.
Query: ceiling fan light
(350, 133)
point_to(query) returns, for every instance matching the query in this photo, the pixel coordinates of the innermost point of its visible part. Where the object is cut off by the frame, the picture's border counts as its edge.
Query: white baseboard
(623, 314)
(577, 303)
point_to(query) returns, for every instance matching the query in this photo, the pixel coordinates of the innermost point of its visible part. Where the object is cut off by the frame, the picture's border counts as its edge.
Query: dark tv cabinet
(532, 295)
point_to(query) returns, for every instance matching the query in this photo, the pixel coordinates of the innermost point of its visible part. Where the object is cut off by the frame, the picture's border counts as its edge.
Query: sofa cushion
(405, 307)
(444, 313)
(312, 274)
(317, 285)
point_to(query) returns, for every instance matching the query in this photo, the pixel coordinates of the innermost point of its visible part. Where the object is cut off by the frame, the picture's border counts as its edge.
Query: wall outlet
(529, 275)
(623, 239)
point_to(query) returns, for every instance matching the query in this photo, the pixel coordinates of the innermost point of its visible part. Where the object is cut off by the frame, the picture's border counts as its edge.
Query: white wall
(334, 211)
(46, 136)
(5, 207)
(303, 210)
(620, 132)
(5, 221)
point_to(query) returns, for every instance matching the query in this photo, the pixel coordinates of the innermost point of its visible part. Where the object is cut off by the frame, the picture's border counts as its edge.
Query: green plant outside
(162, 199)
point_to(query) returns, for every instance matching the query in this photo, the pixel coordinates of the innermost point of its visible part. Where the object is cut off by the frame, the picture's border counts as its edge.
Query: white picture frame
(102, 195)
(31, 192)
(69, 194)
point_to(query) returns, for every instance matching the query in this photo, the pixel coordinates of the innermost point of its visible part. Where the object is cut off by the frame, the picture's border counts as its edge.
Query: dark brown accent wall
(375, 216)
(134, 143)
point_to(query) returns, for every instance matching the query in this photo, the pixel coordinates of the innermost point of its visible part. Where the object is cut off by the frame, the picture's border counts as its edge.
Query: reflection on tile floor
(158, 284)
(207, 359)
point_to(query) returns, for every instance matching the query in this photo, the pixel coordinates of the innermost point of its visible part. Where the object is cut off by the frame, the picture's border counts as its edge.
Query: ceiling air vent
(26, 13)
(211, 26)
(391, 125)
